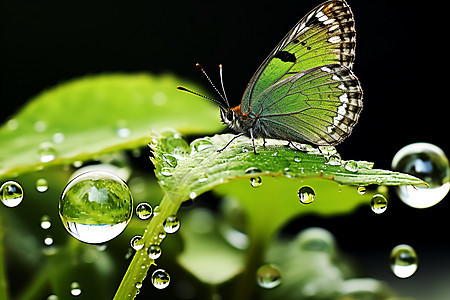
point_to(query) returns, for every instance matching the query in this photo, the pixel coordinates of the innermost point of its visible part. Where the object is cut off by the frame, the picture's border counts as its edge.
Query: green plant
(98, 118)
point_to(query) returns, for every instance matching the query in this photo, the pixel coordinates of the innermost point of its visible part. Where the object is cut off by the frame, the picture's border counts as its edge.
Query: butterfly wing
(320, 106)
(324, 36)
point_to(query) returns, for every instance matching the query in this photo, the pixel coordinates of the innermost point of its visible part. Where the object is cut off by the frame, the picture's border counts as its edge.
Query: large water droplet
(143, 211)
(256, 182)
(154, 251)
(429, 163)
(306, 194)
(171, 224)
(160, 279)
(378, 204)
(96, 206)
(268, 276)
(41, 185)
(11, 193)
(403, 260)
(316, 239)
(175, 144)
(46, 152)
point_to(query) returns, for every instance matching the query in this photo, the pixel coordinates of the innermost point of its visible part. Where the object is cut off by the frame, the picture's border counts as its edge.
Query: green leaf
(195, 169)
(84, 118)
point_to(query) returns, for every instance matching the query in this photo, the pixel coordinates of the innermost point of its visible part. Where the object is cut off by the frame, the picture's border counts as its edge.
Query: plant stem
(139, 266)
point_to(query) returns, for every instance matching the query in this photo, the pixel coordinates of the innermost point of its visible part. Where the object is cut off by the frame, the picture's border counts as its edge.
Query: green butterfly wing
(320, 106)
(326, 35)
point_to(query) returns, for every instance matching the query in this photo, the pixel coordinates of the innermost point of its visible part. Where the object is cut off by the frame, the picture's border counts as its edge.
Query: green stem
(139, 266)
(3, 279)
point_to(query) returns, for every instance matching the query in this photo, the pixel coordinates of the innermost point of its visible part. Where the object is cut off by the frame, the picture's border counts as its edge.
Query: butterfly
(305, 90)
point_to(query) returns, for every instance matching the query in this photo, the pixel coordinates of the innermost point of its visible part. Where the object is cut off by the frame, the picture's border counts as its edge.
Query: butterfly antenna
(200, 95)
(210, 82)
(225, 98)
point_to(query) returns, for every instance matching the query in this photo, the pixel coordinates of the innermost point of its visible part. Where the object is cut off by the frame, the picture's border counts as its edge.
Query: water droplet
(201, 144)
(306, 194)
(268, 276)
(154, 251)
(96, 206)
(171, 224)
(403, 260)
(48, 240)
(45, 222)
(175, 144)
(351, 166)
(256, 182)
(40, 126)
(160, 279)
(171, 160)
(316, 239)
(46, 152)
(11, 193)
(75, 289)
(123, 132)
(143, 211)
(136, 242)
(165, 171)
(334, 160)
(429, 163)
(252, 170)
(361, 190)
(138, 285)
(297, 159)
(12, 124)
(52, 297)
(378, 204)
(58, 138)
(41, 185)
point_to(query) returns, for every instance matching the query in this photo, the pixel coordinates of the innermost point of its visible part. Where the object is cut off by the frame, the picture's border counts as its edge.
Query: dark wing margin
(326, 35)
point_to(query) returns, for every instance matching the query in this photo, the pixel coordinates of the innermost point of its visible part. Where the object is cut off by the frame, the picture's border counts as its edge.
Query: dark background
(400, 61)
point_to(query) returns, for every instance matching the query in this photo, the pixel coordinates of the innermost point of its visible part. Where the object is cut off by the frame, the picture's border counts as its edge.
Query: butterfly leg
(264, 142)
(253, 141)
(230, 141)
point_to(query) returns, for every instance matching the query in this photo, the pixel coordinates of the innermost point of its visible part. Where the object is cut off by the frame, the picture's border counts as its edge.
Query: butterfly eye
(230, 115)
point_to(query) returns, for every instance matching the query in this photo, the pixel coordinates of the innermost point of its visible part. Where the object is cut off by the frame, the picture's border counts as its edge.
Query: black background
(401, 61)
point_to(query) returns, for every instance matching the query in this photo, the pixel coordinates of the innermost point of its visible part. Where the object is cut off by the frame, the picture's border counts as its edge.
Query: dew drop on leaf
(11, 193)
(351, 166)
(361, 190)
(429, 163)
(378, 204)
(200, 144)
(160, 279)
(403, 260)
(268, 276)
(96, 206)
(306, 194)
(46, 152)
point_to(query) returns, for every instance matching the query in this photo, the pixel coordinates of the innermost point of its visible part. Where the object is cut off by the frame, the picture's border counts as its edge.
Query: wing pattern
(320, 106)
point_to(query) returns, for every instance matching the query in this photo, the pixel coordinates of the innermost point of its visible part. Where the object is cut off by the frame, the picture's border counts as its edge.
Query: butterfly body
(305, 90)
